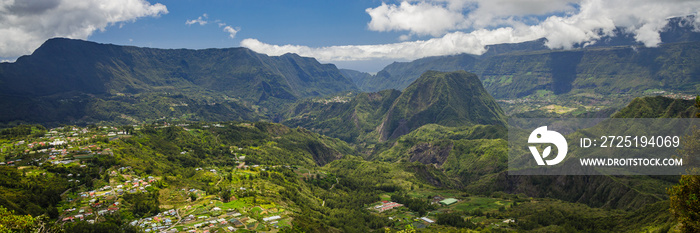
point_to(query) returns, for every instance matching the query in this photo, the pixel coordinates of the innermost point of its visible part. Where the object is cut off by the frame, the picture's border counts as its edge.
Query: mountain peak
(446, 98)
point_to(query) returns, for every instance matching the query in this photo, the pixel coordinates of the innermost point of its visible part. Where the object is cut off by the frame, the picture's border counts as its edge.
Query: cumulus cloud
(468, 26)
(25, 25)
(231, 31)
(201, 20)
(421, 18)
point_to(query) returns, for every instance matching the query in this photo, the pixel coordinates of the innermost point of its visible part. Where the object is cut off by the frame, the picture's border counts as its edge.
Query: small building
(448, 201)
(276, 217)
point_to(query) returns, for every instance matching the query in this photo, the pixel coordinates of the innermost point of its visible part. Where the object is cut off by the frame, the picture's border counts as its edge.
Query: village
(187, 208)
(206, 213)
(68, 146)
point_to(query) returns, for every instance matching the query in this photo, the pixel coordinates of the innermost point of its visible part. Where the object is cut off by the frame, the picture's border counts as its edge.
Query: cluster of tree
(11, 222)
(572, 217)
(225, 195)
(455, 220)
(110, 223)
(143, 204)
(325, 182)
(22, 130)
(418, 205)
(685, 196)
(29, 194)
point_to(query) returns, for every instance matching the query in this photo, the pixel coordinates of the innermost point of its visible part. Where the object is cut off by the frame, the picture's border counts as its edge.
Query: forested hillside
(74, 81)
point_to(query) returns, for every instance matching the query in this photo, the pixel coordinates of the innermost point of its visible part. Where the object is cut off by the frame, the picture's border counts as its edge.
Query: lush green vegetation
(73, 81)
(449, 99)
(347, 162)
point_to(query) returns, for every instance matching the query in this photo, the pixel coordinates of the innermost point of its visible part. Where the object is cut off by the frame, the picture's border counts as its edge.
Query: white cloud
(25, 25)
(421, 18)
(231, 31)
(451, 43)
(201, 20)
(564, 23)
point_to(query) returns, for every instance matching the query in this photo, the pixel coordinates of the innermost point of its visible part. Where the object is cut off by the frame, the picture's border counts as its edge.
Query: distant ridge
(614, 64)
(92, 77)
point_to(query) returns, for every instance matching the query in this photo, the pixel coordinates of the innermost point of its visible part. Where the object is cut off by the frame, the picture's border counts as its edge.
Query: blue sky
(364, 35)
(311, 23)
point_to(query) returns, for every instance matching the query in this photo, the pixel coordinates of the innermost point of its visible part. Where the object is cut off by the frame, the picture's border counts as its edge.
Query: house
(387, 206)
(426, 219)
(276, 217)
(448, 201)
(236, 223)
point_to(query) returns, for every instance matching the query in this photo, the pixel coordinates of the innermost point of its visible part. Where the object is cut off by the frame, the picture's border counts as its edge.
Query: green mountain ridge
(444, 98)
(249, 85)
(602, 70)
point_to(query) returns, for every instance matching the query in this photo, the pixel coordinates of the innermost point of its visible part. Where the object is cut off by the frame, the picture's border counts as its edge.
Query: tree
(9, 222)
(455, 220)
(685, 196)
(193, 196)
(52, 212)
(143, 204)
(226, 195)
(685, 202)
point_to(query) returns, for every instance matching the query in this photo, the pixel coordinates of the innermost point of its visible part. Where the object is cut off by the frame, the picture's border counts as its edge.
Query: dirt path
(179, 218)
(336, 182)
(332, 186)
(220, 179)
(64, 192)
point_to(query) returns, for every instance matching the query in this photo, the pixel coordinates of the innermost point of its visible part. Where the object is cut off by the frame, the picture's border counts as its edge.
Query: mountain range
(614, 64)
(68, 80)
(343, 140)
(600, 70)
(81, 82)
